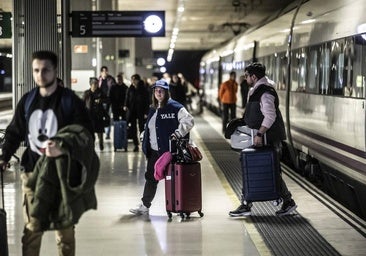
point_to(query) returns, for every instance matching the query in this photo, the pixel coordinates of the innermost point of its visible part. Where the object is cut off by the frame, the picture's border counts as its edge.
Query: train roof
(316, 22)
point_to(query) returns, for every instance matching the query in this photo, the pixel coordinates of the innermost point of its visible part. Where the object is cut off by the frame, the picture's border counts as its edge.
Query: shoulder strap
(66, 103)
(28, 102)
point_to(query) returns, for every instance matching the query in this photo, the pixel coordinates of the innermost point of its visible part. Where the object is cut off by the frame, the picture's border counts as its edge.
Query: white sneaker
(140, 209)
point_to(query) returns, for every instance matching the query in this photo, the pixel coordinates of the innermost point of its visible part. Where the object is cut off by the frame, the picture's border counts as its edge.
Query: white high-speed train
(316, 53)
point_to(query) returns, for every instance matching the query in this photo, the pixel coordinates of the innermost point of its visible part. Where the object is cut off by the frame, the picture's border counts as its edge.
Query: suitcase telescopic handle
(170, 145)
(264, 137)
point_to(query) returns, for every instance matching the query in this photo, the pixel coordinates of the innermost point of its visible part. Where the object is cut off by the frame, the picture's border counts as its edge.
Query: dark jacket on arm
(64, 186)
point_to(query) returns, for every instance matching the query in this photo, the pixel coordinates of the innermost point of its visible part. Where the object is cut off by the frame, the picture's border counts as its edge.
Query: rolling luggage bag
(261, 171)
(183, 191)
(3, 230)
(120, 135)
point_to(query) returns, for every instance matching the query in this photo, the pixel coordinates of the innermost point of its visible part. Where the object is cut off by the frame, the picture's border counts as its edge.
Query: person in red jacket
(227, 96)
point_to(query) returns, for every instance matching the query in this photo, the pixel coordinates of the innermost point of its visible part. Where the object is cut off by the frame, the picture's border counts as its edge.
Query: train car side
(324, 100)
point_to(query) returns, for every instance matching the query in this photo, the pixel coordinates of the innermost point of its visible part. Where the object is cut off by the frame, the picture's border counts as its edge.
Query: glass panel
(359, 67)
(313, 77)
(348, 69)
(324, 69)
(337, 67)
(302, 70)
(295, 70)
(282, 81)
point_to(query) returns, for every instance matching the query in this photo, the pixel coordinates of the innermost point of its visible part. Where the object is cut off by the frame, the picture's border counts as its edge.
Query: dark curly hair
(257, 69)
(46, 55)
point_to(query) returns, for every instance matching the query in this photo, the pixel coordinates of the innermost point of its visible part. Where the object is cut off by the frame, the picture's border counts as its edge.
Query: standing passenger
(167, 118)
(38, 119)
(177, 90)
(106, 81)
(244, 89)
(94, 99)
(118, 97)
(227, 96)
(262, 113)
(137, 107)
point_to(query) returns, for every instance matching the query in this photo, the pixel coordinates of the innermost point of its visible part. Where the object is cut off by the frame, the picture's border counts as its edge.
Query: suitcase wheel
(200, 213)
(277, 202)
(169, 215)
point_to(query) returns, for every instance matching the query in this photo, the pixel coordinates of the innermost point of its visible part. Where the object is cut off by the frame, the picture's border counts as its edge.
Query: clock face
(153, 24)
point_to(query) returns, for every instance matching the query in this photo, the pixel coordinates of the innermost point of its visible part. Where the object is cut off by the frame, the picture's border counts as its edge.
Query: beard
(47, 85)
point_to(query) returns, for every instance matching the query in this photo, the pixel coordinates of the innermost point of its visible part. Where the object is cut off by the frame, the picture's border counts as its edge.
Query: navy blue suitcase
(120, 135)
(261, 174)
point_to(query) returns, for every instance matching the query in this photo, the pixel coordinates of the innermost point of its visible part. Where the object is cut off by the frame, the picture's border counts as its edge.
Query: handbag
(241, 138)
(232, 125)
(187, 152)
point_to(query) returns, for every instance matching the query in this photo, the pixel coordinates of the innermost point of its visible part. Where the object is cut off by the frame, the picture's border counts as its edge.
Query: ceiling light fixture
(175, 31)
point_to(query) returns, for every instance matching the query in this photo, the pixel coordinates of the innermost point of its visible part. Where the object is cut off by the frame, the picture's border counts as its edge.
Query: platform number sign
(5, 25)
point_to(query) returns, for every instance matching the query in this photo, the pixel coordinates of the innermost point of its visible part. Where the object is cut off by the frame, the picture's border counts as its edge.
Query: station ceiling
(203, 24)
(206, 23)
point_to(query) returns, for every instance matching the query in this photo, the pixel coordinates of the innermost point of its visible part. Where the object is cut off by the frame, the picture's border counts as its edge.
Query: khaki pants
(31, 240)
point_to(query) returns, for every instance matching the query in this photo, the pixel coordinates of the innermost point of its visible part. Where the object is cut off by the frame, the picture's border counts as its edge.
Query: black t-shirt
(40, 122)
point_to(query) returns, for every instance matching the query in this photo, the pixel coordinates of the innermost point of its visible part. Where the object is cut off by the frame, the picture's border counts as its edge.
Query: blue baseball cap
(161, 83)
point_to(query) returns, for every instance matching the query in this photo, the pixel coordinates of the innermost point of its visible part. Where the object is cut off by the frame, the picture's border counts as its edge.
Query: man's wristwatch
(259, 134)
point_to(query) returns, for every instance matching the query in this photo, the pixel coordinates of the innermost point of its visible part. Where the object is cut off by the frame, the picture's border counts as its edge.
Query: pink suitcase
(183, 190)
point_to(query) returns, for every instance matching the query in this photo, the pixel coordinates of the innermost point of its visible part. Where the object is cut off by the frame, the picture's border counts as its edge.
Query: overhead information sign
(5, 24)
(118, 24)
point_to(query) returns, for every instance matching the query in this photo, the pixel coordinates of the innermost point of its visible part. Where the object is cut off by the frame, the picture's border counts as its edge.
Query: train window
(282, 84)
(313, 76)
(214, 76)
(359, 67)
(272, 61)
(324, 65)
(295, 70)
(267, 63)
(276, 70)
(302, 58)
(348, 68)
(337, 68)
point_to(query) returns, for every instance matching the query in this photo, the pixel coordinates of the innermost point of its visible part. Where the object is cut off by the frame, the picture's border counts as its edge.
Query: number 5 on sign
(82, 29)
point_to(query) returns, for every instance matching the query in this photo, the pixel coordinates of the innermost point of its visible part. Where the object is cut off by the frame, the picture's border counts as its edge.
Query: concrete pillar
(31, 34)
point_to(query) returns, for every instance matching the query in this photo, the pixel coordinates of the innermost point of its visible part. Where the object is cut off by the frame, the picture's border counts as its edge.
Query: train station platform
(315, 228)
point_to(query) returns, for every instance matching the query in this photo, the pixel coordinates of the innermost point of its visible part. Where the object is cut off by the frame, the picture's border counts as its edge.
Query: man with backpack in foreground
(60, 164)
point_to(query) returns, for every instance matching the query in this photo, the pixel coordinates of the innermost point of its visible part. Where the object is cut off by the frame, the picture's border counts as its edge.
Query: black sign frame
(115, 23)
